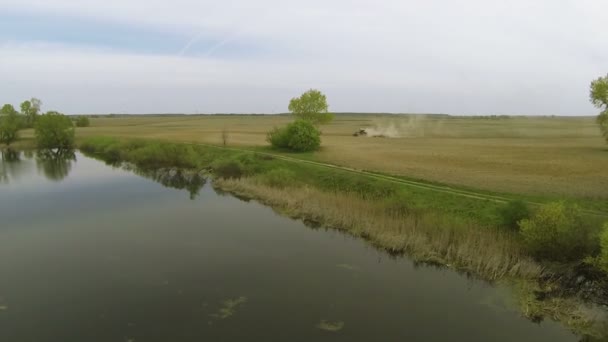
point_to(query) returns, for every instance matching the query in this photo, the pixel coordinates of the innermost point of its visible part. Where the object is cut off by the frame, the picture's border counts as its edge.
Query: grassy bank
(463, 233)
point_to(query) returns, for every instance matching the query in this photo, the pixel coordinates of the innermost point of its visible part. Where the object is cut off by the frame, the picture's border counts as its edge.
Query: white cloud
(520, 56)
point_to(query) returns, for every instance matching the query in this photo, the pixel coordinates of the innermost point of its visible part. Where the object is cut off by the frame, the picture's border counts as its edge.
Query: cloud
(473, 57)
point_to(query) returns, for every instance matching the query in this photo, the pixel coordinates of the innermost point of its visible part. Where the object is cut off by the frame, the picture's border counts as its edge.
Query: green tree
(9, 124)
(54, 130)
(83, 121)
(312, 107)
(31, 109)
(599, 97)
(8, 109)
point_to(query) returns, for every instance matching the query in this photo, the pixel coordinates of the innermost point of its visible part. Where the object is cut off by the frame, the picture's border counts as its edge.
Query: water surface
(94, 253)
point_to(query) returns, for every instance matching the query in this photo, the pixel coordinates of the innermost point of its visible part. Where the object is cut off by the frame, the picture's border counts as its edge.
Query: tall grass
(427, 236)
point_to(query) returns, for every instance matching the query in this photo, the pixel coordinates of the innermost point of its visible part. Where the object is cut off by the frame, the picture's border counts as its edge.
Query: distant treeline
(430, 115)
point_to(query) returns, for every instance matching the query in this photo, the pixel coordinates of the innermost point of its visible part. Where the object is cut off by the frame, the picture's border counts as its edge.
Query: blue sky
(186, 56)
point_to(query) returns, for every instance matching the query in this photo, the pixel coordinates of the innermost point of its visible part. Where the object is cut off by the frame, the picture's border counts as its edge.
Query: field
(542, 157)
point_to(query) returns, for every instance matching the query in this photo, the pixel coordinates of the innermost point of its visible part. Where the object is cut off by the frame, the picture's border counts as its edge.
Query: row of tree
(52, 129)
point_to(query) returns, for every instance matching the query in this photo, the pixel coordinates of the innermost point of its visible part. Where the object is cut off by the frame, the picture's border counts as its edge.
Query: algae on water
(330, 326)
(348, 267)
(229, 307)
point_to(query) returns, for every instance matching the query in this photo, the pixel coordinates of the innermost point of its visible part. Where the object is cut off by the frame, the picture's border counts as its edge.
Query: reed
(424, 235)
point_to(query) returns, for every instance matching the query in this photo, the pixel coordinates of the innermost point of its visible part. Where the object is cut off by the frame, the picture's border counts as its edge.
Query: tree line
(52, 130)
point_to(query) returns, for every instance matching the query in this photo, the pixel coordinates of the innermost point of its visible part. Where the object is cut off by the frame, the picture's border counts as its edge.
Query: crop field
(535, 156)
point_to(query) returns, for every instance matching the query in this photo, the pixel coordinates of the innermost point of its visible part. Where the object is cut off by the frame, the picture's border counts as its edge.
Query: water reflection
(188, 180)
(9, 155)
(55, 165)
(10, 159)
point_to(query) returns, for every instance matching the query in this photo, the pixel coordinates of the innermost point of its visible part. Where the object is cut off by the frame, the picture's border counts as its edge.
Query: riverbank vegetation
(452, 229)
(471, 235)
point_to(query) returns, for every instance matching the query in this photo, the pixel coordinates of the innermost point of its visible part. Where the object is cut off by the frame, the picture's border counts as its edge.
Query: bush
(557, 232)
(144, 154)
(278, 138)
(604, 248)
(83, 121)
(298, 136)
(512, 213)
(160, 154)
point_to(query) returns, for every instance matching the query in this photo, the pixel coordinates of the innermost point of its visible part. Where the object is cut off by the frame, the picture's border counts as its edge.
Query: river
(91, 253)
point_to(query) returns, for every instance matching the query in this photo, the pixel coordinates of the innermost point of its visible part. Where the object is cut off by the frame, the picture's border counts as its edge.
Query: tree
(31, 110)
(9, 124)
(54, 130)
(599, 97)
(8, 109)
(82, 121)
(312, 107)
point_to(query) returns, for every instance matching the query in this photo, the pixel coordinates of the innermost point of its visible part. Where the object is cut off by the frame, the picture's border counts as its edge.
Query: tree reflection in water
(56, 164)
(188, 180)
(10, 158)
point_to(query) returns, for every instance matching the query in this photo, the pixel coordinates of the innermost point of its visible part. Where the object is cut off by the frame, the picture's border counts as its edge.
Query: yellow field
(535, 156)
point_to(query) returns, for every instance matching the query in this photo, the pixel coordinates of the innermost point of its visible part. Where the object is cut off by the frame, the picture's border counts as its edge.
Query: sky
(469, 57)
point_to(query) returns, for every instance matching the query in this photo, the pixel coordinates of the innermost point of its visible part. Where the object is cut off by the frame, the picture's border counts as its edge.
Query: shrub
(604, 248)
(557, 232)
(278, 138)
(159, 154)
(512, 213)
(298, 136)
(110, 149)
(303, 136)
(83, 121)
